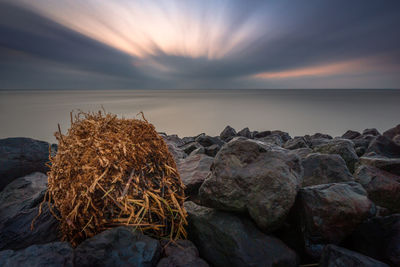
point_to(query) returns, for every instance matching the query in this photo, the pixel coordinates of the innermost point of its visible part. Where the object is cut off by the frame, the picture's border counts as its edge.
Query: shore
(254, 198)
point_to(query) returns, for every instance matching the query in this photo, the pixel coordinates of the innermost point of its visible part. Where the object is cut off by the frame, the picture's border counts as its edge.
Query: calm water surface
(186, 113)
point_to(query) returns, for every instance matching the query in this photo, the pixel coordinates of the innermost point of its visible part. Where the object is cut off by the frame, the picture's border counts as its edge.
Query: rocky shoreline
(254, 199)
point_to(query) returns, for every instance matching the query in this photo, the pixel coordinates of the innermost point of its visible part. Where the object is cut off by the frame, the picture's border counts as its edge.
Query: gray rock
(207, 141)
(254, 177)
(313, 141)
(227, 134)
(188, 139)
(295, 143)
(51, 254)
(261, 134)
(283, 135)
(227, 240)
(190, 147)
(371, 131)
(212, 150)
(334, 256)
(320, 136)
(193, 171)
(181, 253)
(173, 138)
(324, 169)
(19, 205)
(273, 139)
(383, 187)
(301, 152)
(342, 147)
(21, 156)
(120, 246)
(176, 152)
(351, 134)
(328, 213)
(245, 132)
(197, 151)
(383, 146)
(391, 165)
(392, 132)
(396, 139)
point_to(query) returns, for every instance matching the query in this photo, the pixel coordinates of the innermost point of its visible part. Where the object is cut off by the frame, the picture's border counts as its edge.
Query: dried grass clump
(109, 172)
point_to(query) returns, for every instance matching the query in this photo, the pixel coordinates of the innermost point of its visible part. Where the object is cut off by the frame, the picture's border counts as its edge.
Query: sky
(127, 44)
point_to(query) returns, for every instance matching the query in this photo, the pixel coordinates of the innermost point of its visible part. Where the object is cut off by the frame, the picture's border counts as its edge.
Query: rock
(378, 238)
(396, 139)
(176, 152)
(193, 171)
(227, 134)
(212, 150)
(383, 187)
(360, 151)
(324, 169)
(371, 131)
(52, 254)
(383, 146)
(181, 253)
(190, 147)
(207, 141)
(261, 134)
(120, 246)
(351, 134)
(342, 147)
(283, 135)
(313, 141)
(224, 239)
(21, 156)
(391, 165)
(19, 205)
(301, 152)
(328, 213)
(392, 132)
(187, 140)
(245, 133)
(254, 177)
(295, 143)
(334, 256)
(273, 139)
(200, 150)
(320, 136)
(173, 139)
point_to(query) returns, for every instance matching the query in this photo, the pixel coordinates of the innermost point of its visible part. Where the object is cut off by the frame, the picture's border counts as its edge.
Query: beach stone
(193, 171)
(342, 147)
(181, 253)
(371, 131)
(224, 239)
(295, 143)
(227, 134)
(254, 177)
(334, 256)
(383, 187)
(351, 134)
(324, 169)
(21, 156)
(120, 246)
(212, 150)
(206, 141)
(261, 134)
(245, 132)
(391, 165)
(190, 147)
(273, 139)
(328, 213)
(51, 254)
(392, 132)
(379, 238)
(19, 205)
(385, 147)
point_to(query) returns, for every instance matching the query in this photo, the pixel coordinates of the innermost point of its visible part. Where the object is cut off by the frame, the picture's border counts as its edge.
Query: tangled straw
(110, 171)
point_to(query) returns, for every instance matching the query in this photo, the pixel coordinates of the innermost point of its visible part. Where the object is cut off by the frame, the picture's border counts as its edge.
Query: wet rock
(52, 254)
(328, 213)
(21, 156)
(385, 147)
(324, 169)
(261, 134)
(181, 253)
(383, 187)
(19, 205)
(351, 134)
(378, 238)
(207, 141)
(254, 177)
(227, 134)
(334, 256)
(245, 133)
(120, 246)
(273, 139)
(193, 171)
(371, 131)
(391, 165)
(295, 143)
(224, 239)
(190, 147)
(212, 150)
(342, 147)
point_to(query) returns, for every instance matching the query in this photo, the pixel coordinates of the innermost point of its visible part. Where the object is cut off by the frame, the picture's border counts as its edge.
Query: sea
(36, 113)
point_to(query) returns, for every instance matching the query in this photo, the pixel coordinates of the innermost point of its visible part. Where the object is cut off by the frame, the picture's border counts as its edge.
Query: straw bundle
(109, 172)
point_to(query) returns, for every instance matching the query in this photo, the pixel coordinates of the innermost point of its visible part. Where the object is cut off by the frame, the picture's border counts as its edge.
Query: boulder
(328, 213)
(391, 165)
(21, 156)
(181, 253)
(273, 139)
(324, 169)
(383, 146)
(200, 150)
(174, 139)
(320, 136)
(193, 171)
(342, 147)
(351, 134)
(51, 254)
(378, 238)
(176, 152)
(283, 135)
(207, 141)
(245, 132)
(120, 246)
(190, 147)
(254, 177)
(19, 205)
(212, 150)
(261, 134)
(313, 141)
(187, 139)
(371, 131)
(227, 134)
(301, 152)
(396, 139)
(392, 132)
(334, 256)
(295, 143)
(383, 187)
(224, 239)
